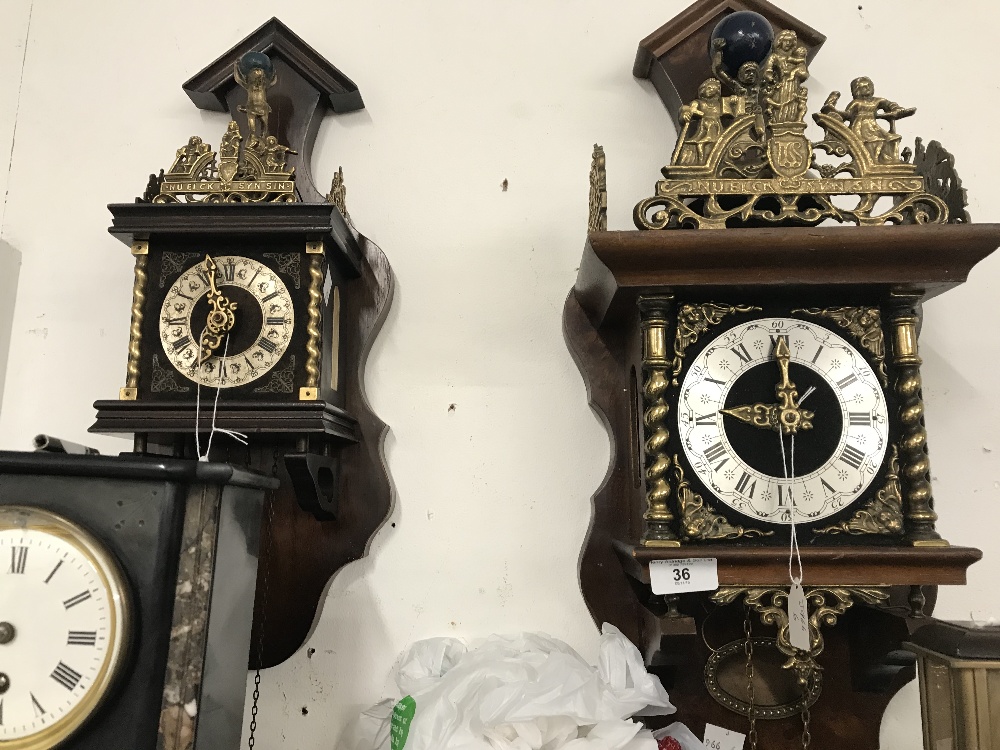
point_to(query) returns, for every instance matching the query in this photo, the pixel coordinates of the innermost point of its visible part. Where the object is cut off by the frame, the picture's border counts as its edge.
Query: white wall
(493, 497)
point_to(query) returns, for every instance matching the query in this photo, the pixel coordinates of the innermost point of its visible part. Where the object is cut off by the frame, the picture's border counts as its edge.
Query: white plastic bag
(526, 692)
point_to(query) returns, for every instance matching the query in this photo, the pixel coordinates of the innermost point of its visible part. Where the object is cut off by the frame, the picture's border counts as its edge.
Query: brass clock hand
(791, 418)
(764, 416)
(221, 317)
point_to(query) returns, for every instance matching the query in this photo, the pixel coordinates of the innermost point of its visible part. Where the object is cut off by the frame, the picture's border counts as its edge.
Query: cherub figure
(229, 148)
(784, 71)
(863, 114)
(256, 83)
(708, 108)
(187, 155)
(274, 161)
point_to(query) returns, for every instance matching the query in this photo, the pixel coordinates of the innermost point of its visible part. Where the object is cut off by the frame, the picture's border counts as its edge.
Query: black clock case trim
(782, 532)
(135, 507)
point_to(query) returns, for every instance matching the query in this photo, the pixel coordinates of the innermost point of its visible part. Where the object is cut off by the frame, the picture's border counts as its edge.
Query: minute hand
(791, 417)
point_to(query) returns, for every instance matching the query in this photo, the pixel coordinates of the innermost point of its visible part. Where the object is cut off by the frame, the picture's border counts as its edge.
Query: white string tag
(798, 610)
(798, 617)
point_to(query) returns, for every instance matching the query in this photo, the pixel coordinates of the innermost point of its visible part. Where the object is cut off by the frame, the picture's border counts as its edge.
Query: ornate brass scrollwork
(693, 320)
(699, 522)
(863, 323)
(883, 514)
(825, 605)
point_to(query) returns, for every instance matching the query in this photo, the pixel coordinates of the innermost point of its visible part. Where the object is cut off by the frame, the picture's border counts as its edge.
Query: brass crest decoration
(248, 167)
(743, 157)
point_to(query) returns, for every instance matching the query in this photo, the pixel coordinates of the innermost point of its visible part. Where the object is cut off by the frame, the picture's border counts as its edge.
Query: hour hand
(772, 417)
(221, 316)
(764, 416)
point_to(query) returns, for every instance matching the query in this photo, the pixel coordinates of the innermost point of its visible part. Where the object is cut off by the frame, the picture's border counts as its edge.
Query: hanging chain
(748, 649)
(269, 502)
(806, 736)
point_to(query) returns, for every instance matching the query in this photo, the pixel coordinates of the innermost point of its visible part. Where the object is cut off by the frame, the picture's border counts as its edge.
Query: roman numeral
(713, 380)
(774, 340)
(741, 352)
(717, 451)
(229, 270)
(784, 495)
(267, 345)
(18, 559)
(276, 321)
(39, 711)
(860, 418)
(852, 456)
(816, 355)
(182, 343)
(852, 378)
(271, 296)
(66, 676)
(249, 364)
(705, 419)
(81, 638)
(58, 565)
(827, 488)
(203, 275)
(173, 321)
(744, 487)
(74, 600)
(1, 713)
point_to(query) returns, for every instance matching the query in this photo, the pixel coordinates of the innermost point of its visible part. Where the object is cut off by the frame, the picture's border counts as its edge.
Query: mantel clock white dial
(64, 627)
(257, 333)
(730, 414)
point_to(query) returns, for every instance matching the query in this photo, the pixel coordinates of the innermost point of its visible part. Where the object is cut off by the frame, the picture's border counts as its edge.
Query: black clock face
(728, 411)
(261, 331)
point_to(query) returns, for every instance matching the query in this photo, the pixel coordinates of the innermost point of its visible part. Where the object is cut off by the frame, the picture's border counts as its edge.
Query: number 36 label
(674, 576)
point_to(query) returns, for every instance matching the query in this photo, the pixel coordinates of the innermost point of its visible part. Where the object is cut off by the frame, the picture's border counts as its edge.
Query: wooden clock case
(325, 447)
(866, 594)
(173, 526)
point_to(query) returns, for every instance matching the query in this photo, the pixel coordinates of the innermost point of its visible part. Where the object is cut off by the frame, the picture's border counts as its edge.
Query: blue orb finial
(748, 38)
(252, 60)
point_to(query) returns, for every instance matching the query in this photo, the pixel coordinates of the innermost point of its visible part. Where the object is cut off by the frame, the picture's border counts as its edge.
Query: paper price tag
(798, 618)
(675, 576)
(717, 738)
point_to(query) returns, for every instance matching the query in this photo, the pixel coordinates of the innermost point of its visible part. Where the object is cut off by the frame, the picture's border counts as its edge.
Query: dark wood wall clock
(757, 367)
(255, 303)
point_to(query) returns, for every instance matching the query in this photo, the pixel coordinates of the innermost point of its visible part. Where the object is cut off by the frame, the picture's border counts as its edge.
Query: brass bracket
(128, 394)
(308, 394)
(314, 248)
(824, 604)
(140, 247)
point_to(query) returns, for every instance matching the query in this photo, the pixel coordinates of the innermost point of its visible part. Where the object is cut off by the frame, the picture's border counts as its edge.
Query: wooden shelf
(822, 566)
(619, 266)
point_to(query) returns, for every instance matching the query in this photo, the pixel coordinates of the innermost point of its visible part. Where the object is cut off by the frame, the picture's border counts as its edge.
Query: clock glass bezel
(113, 581)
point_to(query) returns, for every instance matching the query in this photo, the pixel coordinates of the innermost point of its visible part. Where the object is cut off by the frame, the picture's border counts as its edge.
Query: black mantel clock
(126, 589)
(255, 302)
(760, 373)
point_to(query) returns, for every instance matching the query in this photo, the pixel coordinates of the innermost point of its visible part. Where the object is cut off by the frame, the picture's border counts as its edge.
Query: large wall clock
(759, 373)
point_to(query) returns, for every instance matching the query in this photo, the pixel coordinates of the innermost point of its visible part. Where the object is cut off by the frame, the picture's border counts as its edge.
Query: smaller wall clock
(255, 302)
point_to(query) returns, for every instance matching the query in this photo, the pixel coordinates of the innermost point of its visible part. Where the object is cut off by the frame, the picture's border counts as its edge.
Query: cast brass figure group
(743, 158)
(251, 167)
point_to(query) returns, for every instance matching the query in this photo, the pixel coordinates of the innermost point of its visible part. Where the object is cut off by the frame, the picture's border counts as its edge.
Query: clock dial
(255, 341)
(63, 627)
(744, 463)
